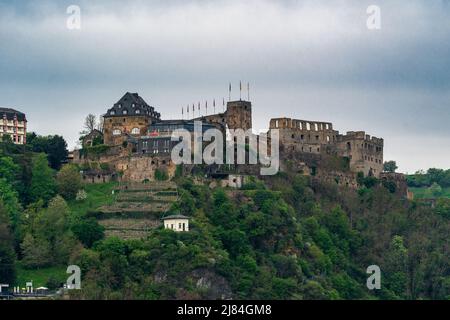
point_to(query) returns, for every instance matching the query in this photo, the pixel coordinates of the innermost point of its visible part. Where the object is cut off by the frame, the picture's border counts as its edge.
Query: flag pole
(240, 90)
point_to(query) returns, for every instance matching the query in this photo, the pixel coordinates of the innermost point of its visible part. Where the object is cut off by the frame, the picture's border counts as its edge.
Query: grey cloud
(306, 59)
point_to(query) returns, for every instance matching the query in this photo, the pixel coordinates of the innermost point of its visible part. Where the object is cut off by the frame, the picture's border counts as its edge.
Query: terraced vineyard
(136, 208)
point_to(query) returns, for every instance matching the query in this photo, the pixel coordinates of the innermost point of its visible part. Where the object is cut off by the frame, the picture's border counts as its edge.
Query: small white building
(177, 223)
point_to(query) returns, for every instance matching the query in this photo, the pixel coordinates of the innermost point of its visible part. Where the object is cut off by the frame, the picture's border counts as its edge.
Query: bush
(161, 175)
(97, 150)
(53, 283)
(69, 182)
(88, 231)
(81, 195)
(390, 185)
(104, 166)
(435, 190)
(443, 207)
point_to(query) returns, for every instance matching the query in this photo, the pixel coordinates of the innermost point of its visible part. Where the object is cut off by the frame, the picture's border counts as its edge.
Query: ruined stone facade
(305, 136)
(365, 153)
(399, 180)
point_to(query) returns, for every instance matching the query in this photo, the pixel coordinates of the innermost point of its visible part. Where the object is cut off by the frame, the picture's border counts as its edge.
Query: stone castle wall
(124, 124)
(365, 152)
(304, 136)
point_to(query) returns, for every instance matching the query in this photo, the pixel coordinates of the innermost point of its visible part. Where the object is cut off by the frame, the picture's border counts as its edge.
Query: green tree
(435, 190)
(436, 175)
(8, 169)
(7, 254)
(54, 146)
(443, 207)
(390, 166)
(9, 198)
(53, 225)
(396, 267)
(69, 181)
(6, 138)
(88, 231)
(43, 185)
(49, 240)
(36, 252)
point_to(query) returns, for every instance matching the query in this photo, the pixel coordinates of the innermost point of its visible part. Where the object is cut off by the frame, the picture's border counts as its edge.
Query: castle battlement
(298, 124)
(361, 135)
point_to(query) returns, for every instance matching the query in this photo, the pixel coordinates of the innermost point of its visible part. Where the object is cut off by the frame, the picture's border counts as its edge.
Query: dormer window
(120, 106)
(138, 111)
(112, 112)
(133, 105)
(125, 112)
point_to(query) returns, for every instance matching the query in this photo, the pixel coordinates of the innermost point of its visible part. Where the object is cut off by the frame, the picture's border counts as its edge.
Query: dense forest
(283, 237)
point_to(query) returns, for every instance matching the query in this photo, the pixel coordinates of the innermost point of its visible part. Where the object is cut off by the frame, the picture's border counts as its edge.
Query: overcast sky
(313, 60)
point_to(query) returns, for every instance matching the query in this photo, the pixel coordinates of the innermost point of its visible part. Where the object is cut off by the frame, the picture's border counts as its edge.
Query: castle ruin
(136, 144)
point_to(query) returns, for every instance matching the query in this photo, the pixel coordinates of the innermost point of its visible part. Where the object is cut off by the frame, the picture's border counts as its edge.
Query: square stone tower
(239, 115)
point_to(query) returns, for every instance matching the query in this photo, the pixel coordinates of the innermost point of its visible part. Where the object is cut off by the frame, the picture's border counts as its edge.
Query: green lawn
(40, 276)
(424, 193)
(98, 194)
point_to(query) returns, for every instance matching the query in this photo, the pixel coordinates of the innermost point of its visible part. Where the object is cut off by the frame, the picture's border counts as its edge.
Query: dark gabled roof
(132, 104)
(10, 114)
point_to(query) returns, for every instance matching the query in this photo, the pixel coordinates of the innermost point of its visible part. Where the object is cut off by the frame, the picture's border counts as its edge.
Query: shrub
(69, 182)
(161, 175)
(81, 195)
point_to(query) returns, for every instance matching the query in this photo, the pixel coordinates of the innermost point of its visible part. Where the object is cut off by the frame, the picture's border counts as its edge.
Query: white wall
(177, 224)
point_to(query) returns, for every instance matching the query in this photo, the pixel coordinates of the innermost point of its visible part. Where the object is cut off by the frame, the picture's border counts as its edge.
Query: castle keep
(130, 116)
(137, 143)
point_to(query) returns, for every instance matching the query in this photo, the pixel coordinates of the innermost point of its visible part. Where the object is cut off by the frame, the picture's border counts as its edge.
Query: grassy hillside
(426, 193)
(98, 194)
(40, 277)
